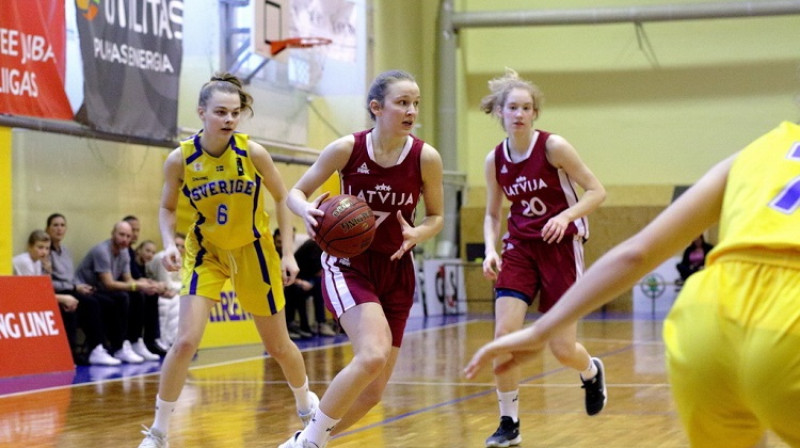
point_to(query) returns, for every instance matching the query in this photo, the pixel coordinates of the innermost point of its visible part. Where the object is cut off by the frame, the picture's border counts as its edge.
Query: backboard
(271, 21)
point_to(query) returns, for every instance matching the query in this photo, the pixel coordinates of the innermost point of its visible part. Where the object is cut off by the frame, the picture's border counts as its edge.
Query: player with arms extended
(371, 294)
(224, 174)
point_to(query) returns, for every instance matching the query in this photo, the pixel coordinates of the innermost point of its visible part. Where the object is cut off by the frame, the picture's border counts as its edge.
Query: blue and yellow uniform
(744, 307)
(229, 238)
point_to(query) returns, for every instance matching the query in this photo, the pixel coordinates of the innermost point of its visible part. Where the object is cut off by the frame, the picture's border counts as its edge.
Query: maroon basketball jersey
(386, 189)
(537, 190)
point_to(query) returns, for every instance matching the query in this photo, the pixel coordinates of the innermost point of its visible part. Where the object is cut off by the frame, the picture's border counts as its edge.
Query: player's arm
(167, 217)
(562, 155)
(491, 220)
(272, 180)
(433, 195)
(619, 269)
(332, 159)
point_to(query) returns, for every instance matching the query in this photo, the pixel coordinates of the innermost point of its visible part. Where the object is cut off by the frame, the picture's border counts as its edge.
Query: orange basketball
(348, 227)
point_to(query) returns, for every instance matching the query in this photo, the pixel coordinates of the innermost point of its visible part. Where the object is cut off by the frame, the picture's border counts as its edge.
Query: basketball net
(305, 57)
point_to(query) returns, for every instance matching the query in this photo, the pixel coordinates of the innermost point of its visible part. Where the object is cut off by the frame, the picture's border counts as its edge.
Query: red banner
(33, 59)
(32, 338)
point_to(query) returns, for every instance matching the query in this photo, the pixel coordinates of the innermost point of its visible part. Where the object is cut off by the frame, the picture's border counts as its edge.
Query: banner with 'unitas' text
(132, 51)
(32, 59)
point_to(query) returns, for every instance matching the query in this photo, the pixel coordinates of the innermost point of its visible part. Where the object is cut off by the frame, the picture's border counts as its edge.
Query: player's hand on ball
(313, 213)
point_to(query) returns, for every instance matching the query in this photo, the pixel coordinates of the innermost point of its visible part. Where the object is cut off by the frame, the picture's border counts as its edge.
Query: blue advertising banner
(132, 52)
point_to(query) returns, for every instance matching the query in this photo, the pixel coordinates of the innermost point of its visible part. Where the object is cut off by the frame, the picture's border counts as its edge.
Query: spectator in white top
(168, 301)
(30, 261)
(36, 261)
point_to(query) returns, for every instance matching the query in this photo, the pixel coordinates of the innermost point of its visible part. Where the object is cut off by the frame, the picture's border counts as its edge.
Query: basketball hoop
(306, 59)
(297, 42)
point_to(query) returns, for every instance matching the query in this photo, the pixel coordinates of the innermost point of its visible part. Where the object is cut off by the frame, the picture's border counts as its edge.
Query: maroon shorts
(534, 266)
(371, 277)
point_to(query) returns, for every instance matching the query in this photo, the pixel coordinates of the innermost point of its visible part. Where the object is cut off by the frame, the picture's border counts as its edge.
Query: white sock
(590, 371)
(320, 429)
(301, 397)
(164, 410)
(509, 404)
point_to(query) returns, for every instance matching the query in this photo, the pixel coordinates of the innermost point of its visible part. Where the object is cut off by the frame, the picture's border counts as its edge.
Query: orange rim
(297, 42)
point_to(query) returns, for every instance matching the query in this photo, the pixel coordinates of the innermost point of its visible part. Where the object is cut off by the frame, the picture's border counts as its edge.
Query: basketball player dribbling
(224, 175)
(543, 249)
(371, 294)
(733, 334)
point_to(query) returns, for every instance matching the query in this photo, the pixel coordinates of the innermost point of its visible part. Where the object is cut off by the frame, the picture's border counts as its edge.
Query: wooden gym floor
(236, 397)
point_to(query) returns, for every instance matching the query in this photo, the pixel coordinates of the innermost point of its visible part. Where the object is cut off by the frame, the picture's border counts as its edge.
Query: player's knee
(373, 360)
(184, 347)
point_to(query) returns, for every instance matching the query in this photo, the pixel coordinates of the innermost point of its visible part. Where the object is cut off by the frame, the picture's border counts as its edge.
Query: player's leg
(570, 353)
(259, 285)
(517, 284)
(368, 330)
(703, 347)
(275, 336)
(192, 318)
(510, 313)
(371, 338)
(771, 360)
(561, 265)
(202, 280)
(370, 396)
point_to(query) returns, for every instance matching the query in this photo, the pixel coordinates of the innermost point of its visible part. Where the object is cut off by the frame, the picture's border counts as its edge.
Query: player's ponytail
(228, 83)
(500, 88)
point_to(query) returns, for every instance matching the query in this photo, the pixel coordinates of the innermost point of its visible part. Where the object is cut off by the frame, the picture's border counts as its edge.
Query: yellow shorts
(253, 270)
(733, 353)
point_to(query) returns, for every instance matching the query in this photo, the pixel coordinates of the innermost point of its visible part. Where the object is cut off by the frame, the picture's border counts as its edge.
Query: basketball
(348, 227)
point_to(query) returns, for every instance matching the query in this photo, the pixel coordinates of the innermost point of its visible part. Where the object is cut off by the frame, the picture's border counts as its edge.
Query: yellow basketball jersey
(760, 208)
(226, 193)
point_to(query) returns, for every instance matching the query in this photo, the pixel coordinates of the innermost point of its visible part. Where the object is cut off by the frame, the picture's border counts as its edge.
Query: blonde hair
(502, 86)
(227, 83)
(38, 236)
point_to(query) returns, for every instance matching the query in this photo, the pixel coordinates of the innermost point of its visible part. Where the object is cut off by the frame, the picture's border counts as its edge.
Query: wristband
(133, 286)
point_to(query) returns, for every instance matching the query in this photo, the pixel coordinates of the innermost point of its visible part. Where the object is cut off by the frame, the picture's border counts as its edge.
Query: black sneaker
(155, 349)
(596, 396)
(507, 434)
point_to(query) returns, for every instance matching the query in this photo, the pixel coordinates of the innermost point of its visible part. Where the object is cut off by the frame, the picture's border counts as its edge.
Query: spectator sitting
(107, 268)
(90, 309)
(310, 280)
(295, 295)
(31, 262)
(143, 310)
(168, 304)
(143, 327)
(694, 258)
